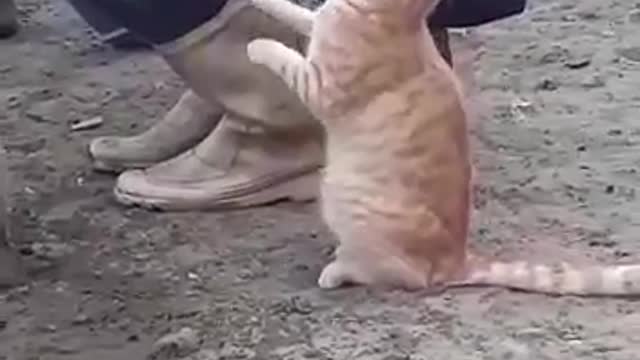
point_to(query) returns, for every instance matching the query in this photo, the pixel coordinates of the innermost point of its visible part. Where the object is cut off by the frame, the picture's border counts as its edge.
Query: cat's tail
(561, 278)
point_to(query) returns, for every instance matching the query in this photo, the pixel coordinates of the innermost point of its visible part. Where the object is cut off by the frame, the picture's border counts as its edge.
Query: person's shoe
(183, 127)
(8, 19)
(268, 147)
(233, 167)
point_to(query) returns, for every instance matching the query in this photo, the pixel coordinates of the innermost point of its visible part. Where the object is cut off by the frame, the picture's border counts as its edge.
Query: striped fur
(396, 188)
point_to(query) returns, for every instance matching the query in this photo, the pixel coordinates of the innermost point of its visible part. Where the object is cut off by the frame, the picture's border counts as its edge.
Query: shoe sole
(107, 167)
(303, 188)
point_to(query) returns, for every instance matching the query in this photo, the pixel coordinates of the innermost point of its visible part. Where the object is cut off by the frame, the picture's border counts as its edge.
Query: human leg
(267, 146)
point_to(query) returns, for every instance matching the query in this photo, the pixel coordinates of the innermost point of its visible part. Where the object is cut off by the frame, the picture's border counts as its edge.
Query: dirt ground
(557, 156)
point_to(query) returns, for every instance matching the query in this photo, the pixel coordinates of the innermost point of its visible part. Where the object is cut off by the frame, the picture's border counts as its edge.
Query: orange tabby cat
(396, 189)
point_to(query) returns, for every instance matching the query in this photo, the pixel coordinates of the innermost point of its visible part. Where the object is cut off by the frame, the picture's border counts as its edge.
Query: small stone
(245, 274)
(608, 33)
(570, 18)
(232, 351)
(48, 72)
(593, 82)
(204, 354)
(51, 251)
(176, 345)
(603, 243)
(547, 85)
(43, 111)
(87, 124)
(621, 254)
(51, 40)
(589, 16)
(50, 328)
(301, 306)
(634, 16)
(193, 276)
(81, 319)
(511, 349)
(630, 53)
(13, 102)
(531, 333)
(553, 56)
(579, 63)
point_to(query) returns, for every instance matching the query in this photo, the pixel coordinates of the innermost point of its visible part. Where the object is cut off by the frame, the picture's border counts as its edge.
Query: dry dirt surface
(557, 151)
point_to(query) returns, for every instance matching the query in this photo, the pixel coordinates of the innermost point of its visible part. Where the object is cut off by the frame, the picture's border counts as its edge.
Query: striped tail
(562, 278)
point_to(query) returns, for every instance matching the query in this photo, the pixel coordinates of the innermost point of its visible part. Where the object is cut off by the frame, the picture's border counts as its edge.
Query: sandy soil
(557, 160)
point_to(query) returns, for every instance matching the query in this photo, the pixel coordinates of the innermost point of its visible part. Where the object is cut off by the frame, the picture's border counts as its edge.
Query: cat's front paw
(259, 51)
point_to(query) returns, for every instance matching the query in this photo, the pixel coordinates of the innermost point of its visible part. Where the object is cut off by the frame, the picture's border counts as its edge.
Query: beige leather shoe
(183, 127)
(267, 148)
(232, 168)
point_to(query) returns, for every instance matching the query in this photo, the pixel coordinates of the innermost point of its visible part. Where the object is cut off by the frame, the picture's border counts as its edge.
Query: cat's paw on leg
(288, 13)
(273, 54)
(260, 51)
(283, 61)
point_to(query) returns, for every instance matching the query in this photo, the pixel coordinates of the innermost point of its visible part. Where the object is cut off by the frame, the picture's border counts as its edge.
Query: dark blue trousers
(161, 21)
(468, 13)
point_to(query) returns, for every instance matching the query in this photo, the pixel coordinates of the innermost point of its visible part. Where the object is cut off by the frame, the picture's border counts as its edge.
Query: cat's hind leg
(368, 268)
(287, 63)
(338, 274)
(288, 13)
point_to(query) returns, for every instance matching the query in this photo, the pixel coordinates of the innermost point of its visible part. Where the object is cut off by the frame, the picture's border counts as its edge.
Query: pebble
(81, 319)
(593, 82)
(176, 345)
(204, 354)
(87, 124)
(13, 102)
(547, 85)
(634, 17)
(43, 111)
(630, 53)
(232, 351)
(579, 63)
(294, 305)
(51, 251)
(510, 349)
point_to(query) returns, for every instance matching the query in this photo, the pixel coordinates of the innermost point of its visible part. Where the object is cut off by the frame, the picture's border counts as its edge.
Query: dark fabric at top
(160, 21)
(468, 13)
